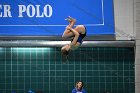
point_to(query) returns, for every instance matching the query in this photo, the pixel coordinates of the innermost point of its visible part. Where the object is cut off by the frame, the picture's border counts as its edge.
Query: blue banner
(46, 17)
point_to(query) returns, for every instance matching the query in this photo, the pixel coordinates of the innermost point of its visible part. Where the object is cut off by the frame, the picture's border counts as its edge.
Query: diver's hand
(68, 28)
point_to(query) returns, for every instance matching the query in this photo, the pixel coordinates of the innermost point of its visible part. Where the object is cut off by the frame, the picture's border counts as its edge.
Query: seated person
(79, 88)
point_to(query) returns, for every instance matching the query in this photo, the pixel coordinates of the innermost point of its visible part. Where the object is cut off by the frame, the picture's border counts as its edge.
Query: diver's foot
(69, 20)
(72, 19)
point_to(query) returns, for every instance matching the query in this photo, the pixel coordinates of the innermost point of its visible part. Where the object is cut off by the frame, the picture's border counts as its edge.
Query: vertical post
(137, 56)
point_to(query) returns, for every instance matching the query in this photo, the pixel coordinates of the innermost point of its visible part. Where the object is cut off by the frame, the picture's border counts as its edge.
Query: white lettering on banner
(38, 13)
(22, 8)
(29, 13)
(0, 12)
(46, 8)
(7, 12)
(35, 11)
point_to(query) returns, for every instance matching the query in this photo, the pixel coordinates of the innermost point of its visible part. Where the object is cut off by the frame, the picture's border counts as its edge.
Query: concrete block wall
(124, 18)
(137, 56)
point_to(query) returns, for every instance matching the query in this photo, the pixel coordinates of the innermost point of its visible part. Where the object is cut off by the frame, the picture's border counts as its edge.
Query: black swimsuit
(81, 36)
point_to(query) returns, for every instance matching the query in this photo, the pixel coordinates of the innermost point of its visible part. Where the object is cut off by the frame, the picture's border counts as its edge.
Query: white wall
(137, 52)
(124, 19)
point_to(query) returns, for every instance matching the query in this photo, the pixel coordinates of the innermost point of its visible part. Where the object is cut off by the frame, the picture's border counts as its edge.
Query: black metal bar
(44, 43)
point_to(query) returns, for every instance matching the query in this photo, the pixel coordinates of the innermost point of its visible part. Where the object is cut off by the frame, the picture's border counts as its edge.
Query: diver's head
(64, 52)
